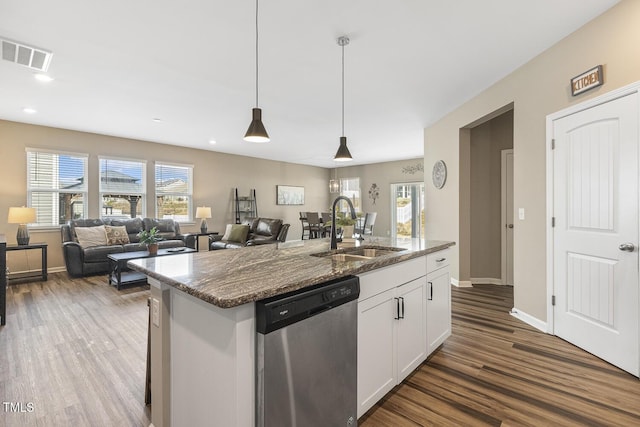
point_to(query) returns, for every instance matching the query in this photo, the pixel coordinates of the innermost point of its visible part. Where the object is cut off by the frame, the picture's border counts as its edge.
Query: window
(350, 187)
(173, 191)
(56, 186)
(122, 188)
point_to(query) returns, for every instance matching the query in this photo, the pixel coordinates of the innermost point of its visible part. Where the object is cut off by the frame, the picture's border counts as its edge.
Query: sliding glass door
(407, 210)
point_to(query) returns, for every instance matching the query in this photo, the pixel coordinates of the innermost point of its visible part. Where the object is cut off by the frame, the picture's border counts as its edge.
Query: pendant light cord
(256, 53)
(343, 89)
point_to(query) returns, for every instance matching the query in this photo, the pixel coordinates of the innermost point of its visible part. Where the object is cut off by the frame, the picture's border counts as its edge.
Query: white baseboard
(529, 320)
(461, 283)
(486, 281)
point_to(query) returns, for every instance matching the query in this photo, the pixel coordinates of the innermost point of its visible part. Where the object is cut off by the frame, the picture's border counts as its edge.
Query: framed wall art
(289, 195)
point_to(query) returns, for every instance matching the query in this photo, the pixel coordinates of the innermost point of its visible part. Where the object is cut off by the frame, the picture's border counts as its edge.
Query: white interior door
(507, 217)
(595, 205)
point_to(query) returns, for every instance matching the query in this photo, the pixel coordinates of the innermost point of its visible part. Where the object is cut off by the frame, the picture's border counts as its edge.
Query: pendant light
(334, 184)
(256, 131)
(343, 154)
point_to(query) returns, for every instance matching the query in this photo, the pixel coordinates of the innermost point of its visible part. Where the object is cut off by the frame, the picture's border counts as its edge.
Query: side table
(208, 233)
(43, 264)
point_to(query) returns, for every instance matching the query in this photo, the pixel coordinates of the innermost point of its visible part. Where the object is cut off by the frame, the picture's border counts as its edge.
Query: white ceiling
(118, 64)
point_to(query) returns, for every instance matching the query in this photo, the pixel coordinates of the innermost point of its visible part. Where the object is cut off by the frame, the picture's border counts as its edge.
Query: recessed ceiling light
(212, 141)
(45, 78)
(29, 110)
(157, 120)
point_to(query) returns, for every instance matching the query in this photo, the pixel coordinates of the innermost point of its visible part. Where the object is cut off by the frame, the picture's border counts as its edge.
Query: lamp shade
(203, 212)
(343, 154)
(22, 215)
(256, 131)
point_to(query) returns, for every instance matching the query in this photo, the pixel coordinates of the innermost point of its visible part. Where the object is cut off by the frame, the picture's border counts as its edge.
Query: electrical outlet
(155, 312)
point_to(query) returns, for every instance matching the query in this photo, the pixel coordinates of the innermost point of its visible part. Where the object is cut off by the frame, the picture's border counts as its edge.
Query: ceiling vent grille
(29, 56)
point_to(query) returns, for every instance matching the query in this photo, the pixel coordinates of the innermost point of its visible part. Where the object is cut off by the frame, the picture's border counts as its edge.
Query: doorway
(483, 253)
(407, 210)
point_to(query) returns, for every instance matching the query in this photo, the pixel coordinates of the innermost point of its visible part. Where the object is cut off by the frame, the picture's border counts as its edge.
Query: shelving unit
(246, 206)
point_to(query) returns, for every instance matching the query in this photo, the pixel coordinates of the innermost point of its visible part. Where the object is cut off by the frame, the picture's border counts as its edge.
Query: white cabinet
(411, 331)
(438, 299)
(376, 354)
(391, 328)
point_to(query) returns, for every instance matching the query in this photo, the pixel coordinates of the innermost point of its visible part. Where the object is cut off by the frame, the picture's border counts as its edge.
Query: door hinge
(553, 221)
(553, 300)
(553, 144)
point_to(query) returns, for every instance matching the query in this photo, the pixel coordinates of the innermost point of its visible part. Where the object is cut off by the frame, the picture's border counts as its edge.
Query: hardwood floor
(497, 371)
(76, 350)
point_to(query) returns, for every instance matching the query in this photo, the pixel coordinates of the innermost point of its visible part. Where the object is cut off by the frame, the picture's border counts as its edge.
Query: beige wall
(537, 89)
(215, 177)
(383, 174)
(487, 142)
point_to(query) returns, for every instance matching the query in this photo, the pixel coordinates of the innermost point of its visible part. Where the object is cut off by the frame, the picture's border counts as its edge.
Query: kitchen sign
(587, 81)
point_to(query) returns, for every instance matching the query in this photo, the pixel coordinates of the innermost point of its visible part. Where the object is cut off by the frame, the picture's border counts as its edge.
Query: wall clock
(439, 174)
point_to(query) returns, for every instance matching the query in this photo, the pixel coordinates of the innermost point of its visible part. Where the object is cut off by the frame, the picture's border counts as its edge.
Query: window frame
(358, 205)
(189, 194)
(143, 185)
(84, 189)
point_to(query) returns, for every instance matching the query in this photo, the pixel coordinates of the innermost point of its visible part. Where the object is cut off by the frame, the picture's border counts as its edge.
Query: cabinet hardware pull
(402, 298)
(441, 259)
(430, 291)
(397, 317)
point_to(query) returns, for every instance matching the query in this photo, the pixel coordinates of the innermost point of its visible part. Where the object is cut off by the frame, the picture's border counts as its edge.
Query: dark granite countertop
(232, 277)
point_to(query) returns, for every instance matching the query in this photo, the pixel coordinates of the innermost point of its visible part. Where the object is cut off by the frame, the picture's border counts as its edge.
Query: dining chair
(326, 223)
(315, 227)
(305, 225)
(367, 225)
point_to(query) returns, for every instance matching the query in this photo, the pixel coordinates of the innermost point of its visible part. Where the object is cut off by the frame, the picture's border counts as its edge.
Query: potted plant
(150, 238)
(346, 223)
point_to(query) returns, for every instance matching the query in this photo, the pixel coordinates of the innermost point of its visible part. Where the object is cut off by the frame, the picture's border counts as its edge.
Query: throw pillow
(227, 232)
(116, 235)
(91, 236)
(238, 233)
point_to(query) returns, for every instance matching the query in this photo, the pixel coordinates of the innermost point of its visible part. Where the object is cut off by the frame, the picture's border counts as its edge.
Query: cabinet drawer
(385, 278)
(438, 260)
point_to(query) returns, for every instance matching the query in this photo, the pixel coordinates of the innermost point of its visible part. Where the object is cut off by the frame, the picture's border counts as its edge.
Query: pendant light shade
(256, 131)
(343, 154)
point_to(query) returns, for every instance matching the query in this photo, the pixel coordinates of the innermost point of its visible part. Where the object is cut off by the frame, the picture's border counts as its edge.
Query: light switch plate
(521, 213)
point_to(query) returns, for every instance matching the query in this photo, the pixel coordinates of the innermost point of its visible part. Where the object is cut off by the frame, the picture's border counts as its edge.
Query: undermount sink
(359, 253)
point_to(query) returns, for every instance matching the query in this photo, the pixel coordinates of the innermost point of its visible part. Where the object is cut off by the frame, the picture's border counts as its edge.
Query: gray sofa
(261, 231)
(82, 261)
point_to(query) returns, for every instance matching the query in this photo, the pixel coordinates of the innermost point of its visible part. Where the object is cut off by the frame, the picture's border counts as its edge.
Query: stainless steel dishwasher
(307, 357)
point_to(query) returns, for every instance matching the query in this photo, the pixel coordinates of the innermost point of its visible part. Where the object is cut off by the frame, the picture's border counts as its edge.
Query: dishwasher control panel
(282, 310)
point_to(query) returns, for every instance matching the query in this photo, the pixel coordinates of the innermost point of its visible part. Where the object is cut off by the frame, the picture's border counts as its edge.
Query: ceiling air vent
(29, 56)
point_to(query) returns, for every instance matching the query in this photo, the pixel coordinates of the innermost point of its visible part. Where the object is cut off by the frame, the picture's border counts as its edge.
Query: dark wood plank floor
(76, 350)
(497, 371)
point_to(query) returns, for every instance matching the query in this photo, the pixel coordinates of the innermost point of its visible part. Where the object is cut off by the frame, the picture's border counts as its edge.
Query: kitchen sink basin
(359, 253)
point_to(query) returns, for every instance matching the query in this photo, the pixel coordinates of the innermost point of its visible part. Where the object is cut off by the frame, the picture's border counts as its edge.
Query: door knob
(510, 225)
(628, 247)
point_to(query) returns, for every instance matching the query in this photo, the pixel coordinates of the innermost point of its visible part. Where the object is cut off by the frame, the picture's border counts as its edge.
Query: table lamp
(203, 213)
(22, 216)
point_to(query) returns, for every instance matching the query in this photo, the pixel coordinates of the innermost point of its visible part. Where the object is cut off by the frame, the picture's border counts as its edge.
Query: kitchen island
(203, 319)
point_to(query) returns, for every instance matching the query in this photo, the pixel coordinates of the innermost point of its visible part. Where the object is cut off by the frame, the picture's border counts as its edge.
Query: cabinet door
(376, 353)
(411, 334)
(438, 308)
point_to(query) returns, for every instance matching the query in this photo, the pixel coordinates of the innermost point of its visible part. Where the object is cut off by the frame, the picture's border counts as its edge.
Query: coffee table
(120, 275)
